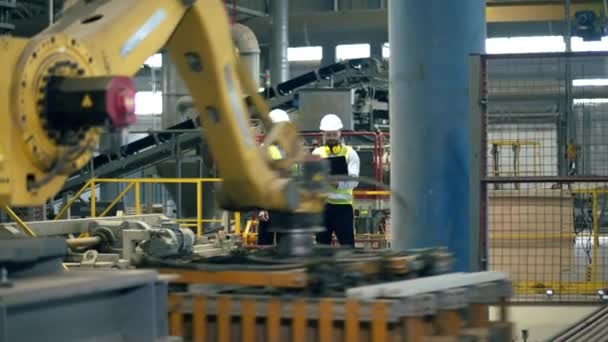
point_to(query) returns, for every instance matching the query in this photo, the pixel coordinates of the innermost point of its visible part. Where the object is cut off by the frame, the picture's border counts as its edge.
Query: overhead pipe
(51, 12)
(279, 71)
(567, 17)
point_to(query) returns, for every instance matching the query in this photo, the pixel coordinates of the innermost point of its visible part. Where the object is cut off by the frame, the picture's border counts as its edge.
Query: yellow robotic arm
(55, 76)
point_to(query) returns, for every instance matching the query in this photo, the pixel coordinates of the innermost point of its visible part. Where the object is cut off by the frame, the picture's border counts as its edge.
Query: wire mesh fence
(545, 173)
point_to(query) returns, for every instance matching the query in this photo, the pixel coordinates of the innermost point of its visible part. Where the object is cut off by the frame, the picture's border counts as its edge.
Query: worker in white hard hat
(265, 236)
(339, 214)
(278, 115)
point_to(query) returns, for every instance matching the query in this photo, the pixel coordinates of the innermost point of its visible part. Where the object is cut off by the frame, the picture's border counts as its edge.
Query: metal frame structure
(421, 314)
(583, 184)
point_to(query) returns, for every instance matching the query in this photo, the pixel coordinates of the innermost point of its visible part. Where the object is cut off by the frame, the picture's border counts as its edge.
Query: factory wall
(591, 128)
(534, 160)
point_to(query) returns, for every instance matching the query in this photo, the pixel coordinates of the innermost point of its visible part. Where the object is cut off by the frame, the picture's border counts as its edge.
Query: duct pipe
(51, 12)
(83, 242)
(568, 18)
(249, 50)
(431, 139)
(279, 70)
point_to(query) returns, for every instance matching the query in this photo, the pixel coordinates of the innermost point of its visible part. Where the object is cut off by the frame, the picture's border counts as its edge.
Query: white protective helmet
(278, 115)
(331, 122)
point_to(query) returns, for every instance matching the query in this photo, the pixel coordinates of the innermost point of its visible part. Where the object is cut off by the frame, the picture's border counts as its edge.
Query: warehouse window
(350, 51)
(525, 44)
(590, 82)
(579, 45)
(154, 61)
(304, 53)
(386, 51)
(148, 102)
(542, 44)
(589, 101)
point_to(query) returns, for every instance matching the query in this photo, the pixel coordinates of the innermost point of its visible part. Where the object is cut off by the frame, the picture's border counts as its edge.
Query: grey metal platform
(39, 301)
(114, 306)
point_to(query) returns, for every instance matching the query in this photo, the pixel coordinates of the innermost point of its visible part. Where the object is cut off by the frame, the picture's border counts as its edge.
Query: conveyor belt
(593, 328)
(354, 71)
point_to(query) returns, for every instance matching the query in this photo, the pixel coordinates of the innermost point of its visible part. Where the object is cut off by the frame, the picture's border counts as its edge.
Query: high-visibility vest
(340, 196)
(275, 154)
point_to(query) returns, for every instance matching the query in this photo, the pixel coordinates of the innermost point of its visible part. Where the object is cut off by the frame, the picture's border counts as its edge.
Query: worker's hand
(263, 215)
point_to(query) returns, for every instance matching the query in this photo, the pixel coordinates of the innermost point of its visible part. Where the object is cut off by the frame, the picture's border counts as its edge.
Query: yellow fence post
(93, 199)
(71, 201)
(199, 207)
(117, 199)
(137, 198)
(237, 222)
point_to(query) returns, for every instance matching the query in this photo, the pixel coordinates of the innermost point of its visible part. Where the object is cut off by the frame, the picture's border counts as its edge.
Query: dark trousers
(339, 219)
(265, 236)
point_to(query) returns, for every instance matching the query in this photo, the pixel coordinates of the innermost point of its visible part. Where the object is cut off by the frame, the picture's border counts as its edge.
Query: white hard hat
(278, 115)
(331, 122)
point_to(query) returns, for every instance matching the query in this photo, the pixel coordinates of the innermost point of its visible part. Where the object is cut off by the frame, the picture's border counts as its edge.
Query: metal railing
(135, 185)
(544, 208)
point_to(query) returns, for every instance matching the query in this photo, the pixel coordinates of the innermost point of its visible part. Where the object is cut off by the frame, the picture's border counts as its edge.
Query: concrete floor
(543, 321)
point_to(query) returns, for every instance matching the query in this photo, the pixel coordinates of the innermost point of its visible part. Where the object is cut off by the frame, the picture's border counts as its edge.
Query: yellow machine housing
(114, 38)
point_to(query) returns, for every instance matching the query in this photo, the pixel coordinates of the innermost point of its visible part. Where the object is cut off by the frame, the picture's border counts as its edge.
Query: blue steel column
(430, 43)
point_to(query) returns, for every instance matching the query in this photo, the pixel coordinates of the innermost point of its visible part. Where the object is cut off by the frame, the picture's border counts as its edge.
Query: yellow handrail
(71, 202)
(371, 193)
(28, 231)
(157, 180)
(116, 200)
(135, 183)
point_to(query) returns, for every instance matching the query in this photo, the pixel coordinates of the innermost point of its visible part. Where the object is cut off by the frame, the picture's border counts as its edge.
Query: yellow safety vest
(275, 154)
(340, 196)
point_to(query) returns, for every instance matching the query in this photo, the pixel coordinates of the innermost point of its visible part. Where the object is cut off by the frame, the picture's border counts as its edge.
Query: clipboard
(338, 166)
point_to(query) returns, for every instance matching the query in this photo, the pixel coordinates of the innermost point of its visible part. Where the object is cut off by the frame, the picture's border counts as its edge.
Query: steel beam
(249, 11)
(86, 306)
(504, 12)
(77, 226)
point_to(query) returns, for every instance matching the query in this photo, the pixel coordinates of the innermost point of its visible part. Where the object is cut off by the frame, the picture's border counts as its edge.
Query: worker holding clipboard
(343, 160)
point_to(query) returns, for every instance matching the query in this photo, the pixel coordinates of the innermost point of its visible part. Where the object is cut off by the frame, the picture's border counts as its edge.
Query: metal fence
(545, 173)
